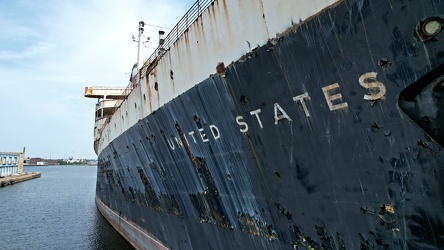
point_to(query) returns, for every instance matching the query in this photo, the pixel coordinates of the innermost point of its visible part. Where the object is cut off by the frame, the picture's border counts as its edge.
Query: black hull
(368, 175)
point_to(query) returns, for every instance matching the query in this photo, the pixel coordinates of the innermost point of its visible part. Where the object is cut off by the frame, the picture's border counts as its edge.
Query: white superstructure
(193, 49)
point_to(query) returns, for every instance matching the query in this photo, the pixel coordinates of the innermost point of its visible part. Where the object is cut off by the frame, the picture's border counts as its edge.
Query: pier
(11, 169)
(13, 179)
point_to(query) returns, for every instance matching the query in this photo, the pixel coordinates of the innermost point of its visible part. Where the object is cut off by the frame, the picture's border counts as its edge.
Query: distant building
(40, 162)
(52, 162)
(36, 161)
(11, 163)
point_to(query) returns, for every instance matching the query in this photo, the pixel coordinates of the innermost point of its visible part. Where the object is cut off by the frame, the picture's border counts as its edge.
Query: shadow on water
(104, 236)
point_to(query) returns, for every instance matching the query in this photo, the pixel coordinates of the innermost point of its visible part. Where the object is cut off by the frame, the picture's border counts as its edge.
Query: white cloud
(50, 50)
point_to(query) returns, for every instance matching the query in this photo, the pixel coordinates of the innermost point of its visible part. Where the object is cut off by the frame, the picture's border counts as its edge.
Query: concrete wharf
(13, 179)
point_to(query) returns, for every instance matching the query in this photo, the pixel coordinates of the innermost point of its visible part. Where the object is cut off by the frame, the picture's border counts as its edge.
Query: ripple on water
(55, 211)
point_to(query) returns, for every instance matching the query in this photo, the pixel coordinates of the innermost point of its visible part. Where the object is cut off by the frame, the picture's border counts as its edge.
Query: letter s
(377, 89)
(241, 123)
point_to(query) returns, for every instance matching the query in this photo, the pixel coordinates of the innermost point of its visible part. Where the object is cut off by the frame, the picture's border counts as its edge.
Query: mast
(139, 46)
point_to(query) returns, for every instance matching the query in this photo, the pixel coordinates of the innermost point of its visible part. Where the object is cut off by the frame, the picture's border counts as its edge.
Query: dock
(13, 179)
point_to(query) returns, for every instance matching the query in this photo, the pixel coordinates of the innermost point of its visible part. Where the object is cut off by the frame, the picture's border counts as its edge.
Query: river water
(55, 211)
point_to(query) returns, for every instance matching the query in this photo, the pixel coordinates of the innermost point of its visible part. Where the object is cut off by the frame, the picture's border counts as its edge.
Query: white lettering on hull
(301, 99)
(170, 143)
(377, 89)
(279, 115)
(202, 135)
(192, 136)
(176, 142)
(215, 132)
(179, 142)
(368, 81)
(256, 112)
(332, 96)
(244, 125)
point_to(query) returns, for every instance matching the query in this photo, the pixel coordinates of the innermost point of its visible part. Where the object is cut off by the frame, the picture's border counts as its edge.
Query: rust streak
(150, 94)
(265, 19)
(259, 165)
(185, 144)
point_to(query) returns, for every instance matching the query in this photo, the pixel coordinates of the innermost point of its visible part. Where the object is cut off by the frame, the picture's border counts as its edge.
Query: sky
(51, 50)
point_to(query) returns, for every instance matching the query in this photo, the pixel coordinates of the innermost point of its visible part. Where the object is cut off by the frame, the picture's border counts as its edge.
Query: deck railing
(176, 32)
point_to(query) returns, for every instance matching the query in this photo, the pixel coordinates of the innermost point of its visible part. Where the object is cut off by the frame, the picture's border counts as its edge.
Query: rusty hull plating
(328, 136)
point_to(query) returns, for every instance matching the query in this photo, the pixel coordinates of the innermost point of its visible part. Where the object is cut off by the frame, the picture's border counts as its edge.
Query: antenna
(139, 46)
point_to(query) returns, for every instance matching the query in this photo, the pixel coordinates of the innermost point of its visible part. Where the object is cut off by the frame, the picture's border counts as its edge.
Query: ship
(291, 124)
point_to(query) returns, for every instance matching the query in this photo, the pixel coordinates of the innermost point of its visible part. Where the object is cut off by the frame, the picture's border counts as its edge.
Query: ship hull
(265, 153)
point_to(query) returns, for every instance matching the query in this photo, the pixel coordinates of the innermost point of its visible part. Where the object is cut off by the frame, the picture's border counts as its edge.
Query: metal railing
(181, 27)
(176, 32)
